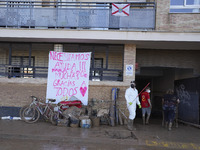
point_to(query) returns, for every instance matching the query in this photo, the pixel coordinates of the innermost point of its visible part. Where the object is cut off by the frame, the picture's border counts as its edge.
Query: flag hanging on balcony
(120, 9)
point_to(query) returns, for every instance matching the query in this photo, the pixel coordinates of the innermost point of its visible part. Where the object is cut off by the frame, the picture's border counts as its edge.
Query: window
(20, 67)
(45, 3)
(18, 3)
(185, 6)
(98, 62)
(97, 74)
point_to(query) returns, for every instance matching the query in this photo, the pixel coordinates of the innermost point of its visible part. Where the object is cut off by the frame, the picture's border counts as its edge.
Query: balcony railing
(75, 15)
(16, 71)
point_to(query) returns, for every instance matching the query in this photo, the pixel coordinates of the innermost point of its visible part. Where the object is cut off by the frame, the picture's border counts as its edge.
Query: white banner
(68, 75)
(120, 9)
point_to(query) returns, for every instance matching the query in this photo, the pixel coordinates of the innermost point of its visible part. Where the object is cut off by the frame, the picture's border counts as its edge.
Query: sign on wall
(68, 75)
(129, 70)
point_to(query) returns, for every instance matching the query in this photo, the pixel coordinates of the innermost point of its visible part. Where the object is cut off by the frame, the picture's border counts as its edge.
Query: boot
(134, 128)
(143, 119)
(130, 125)
(170, 126)
(147, 121)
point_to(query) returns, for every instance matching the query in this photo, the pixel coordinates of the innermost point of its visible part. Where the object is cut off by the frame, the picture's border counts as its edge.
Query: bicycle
(57, 114)
(32, 113)
(24, 107)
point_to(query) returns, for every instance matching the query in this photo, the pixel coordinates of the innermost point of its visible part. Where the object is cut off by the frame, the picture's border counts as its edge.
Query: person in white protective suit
(132, 99)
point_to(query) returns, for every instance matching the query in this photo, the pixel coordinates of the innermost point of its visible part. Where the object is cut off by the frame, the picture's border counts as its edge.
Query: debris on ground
(120, 134)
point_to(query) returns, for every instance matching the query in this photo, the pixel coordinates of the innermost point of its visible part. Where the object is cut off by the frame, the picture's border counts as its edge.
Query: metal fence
(13, 71)
(73, 15)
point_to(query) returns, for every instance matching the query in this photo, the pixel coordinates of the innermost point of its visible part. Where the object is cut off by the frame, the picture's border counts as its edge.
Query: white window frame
(185, 6)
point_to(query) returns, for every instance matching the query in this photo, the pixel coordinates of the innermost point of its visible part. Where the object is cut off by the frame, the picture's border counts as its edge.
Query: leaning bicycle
(37, 108)
(34, 98)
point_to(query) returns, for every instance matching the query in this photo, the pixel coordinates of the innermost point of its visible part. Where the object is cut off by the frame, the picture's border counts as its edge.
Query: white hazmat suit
(131, 95)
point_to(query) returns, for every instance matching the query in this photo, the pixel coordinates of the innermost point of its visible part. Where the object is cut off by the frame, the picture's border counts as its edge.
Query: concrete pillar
(129, 60)
(58, 47)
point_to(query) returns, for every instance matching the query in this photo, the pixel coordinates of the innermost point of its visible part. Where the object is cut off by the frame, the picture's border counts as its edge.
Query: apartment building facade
(160, 39)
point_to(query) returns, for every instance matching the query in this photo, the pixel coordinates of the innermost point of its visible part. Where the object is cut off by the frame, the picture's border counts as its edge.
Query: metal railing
(16, 71)
(75, 15)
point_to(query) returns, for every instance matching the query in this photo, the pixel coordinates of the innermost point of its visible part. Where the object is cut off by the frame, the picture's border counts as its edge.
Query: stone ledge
(44, 81)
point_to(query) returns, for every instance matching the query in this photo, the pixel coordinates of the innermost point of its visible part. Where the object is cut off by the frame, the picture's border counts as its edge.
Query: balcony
(75, 15)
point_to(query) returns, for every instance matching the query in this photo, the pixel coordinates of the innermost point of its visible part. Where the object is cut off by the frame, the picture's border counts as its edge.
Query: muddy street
(44, 136)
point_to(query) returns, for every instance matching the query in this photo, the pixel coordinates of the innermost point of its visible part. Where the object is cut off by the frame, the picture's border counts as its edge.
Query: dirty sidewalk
(43, 135)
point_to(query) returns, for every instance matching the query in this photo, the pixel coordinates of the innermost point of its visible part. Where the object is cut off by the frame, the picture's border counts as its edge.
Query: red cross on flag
(120, 9)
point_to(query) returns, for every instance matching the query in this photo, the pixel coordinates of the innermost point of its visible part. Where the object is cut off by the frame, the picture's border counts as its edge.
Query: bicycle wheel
(21, 111)
(54, 118)
(31, 114)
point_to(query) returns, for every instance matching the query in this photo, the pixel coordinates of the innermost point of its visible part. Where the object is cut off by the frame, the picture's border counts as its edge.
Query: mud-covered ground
(44, 136)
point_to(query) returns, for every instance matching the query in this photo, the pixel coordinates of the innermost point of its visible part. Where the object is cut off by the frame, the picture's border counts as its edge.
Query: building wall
(169, 58)
(101, 90)
(166, 21)
(115, 56)
(3, 56)
(129, 59)
(178, 22)
(18, 94)
(41, 53)
(17, 91)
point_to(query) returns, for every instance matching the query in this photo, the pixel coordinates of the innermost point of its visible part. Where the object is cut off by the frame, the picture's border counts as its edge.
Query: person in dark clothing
(169, 105)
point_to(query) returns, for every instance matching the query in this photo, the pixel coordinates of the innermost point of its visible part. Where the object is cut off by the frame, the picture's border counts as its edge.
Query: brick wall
(2, 56)
(18, 94)
(41, 53)
(178, 22)
(129, 59)
(115, 56)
